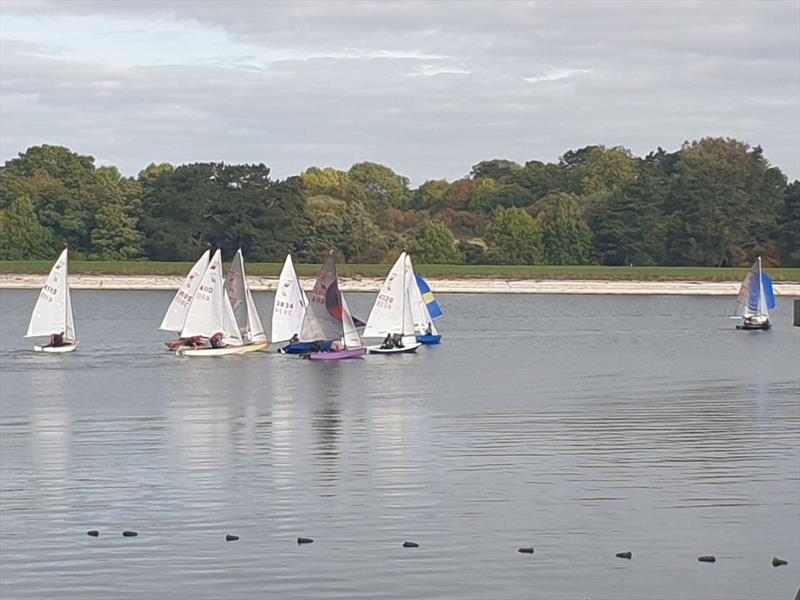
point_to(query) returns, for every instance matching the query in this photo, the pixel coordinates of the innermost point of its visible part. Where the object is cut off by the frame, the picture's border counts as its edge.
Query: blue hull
(304, 348)
(429, 340)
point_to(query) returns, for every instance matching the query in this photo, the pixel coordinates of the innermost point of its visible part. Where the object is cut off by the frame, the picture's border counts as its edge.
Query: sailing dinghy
(179, 307)
(756, 297)
(392, 314)
(326, 320)
(426, 310)
(211, 316)
(289, 310)
(52, 315)
(244, 308)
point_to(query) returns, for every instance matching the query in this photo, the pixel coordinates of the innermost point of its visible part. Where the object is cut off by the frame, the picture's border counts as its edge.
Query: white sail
(179, 308)
(762, 296)
(241, 300)
(210, 310)
(321, 321)
(422, 318)
(391, 313)
(409, 284)
(349, 332)
(290, 304)
(53, 310)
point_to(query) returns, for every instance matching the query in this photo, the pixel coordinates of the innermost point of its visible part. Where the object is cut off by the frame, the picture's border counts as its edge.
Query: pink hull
(340, 355)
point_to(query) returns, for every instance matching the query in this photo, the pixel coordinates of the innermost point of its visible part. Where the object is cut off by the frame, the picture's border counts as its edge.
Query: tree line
(714, 202)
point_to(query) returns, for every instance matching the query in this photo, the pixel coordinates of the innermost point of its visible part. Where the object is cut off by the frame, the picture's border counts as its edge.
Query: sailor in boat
(216, 340)
(397, 338)
(429, 330)
(294, 340)
(388, 342)
(56, 340)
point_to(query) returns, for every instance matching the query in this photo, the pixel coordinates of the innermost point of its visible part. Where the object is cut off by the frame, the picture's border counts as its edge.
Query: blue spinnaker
(427, 295)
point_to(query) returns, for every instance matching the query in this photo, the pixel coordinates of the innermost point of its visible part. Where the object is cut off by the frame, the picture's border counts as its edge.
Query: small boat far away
(392, 314)
(175, 316)
(52, 315)
(756, 297)
(211, 316)
(426, 310)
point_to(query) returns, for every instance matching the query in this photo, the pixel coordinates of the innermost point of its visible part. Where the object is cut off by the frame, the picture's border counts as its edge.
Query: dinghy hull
(226, 351)
(429, 340)
(754, 325)
(407, 349)
(57, 349)
(304, 348)
(337, 355)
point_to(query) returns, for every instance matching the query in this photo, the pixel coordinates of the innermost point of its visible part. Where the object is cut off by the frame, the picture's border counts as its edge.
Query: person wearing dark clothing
(57, 339)
(398, 340)
(388, 342)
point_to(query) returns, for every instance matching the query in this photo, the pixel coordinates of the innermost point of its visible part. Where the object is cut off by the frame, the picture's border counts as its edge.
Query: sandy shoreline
(372, 284)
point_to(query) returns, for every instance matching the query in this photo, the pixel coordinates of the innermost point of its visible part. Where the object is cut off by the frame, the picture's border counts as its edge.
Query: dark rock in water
(231, 538)
(302, 540)
(526, 550)
(128, 533)
(777, 562)
(628, 555)
(707, 558)
(410, 545)
(93, 533)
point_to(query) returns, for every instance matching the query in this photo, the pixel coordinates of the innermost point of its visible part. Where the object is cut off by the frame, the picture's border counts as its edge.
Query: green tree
(788, 233)
(116, 237)
(608, 170)
(514, 238)
(22, 237)
(431, 196)
(436, 245)
(567, 238)
(384, 187)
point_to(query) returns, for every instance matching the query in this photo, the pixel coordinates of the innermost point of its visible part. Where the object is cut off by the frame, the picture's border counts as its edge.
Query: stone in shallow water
(128, 533)
(777, 562)
(304, 540)
(628, 554)
(526, 550)
(410, 544)
(231, 538)
(707, 558)
(93, 533)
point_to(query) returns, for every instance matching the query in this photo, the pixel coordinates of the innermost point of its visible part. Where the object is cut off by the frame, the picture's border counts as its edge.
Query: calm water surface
(582, 426)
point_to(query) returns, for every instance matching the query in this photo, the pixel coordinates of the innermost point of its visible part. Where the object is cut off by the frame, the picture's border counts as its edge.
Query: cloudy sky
(428, 88)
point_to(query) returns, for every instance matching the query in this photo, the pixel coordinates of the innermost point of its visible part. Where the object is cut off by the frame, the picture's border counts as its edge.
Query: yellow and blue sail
(430, 300)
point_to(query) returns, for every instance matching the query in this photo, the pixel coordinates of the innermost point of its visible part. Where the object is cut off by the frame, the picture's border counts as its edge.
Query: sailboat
(328, 319)
(426, 310)
(289, 311)
(211, 316)
(392, 315)
(52, 315)
(244, 308)
(756, 297)
(179, 307)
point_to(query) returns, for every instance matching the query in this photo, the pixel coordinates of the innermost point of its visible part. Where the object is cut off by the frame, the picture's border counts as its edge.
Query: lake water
(582, 426)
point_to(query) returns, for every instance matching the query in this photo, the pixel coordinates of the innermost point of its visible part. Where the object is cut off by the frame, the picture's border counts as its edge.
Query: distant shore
(441, 285)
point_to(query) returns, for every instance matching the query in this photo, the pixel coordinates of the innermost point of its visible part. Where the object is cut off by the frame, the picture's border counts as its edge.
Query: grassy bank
(34, 267)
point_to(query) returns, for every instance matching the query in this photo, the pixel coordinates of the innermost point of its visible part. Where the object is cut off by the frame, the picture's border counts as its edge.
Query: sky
(426, 88)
